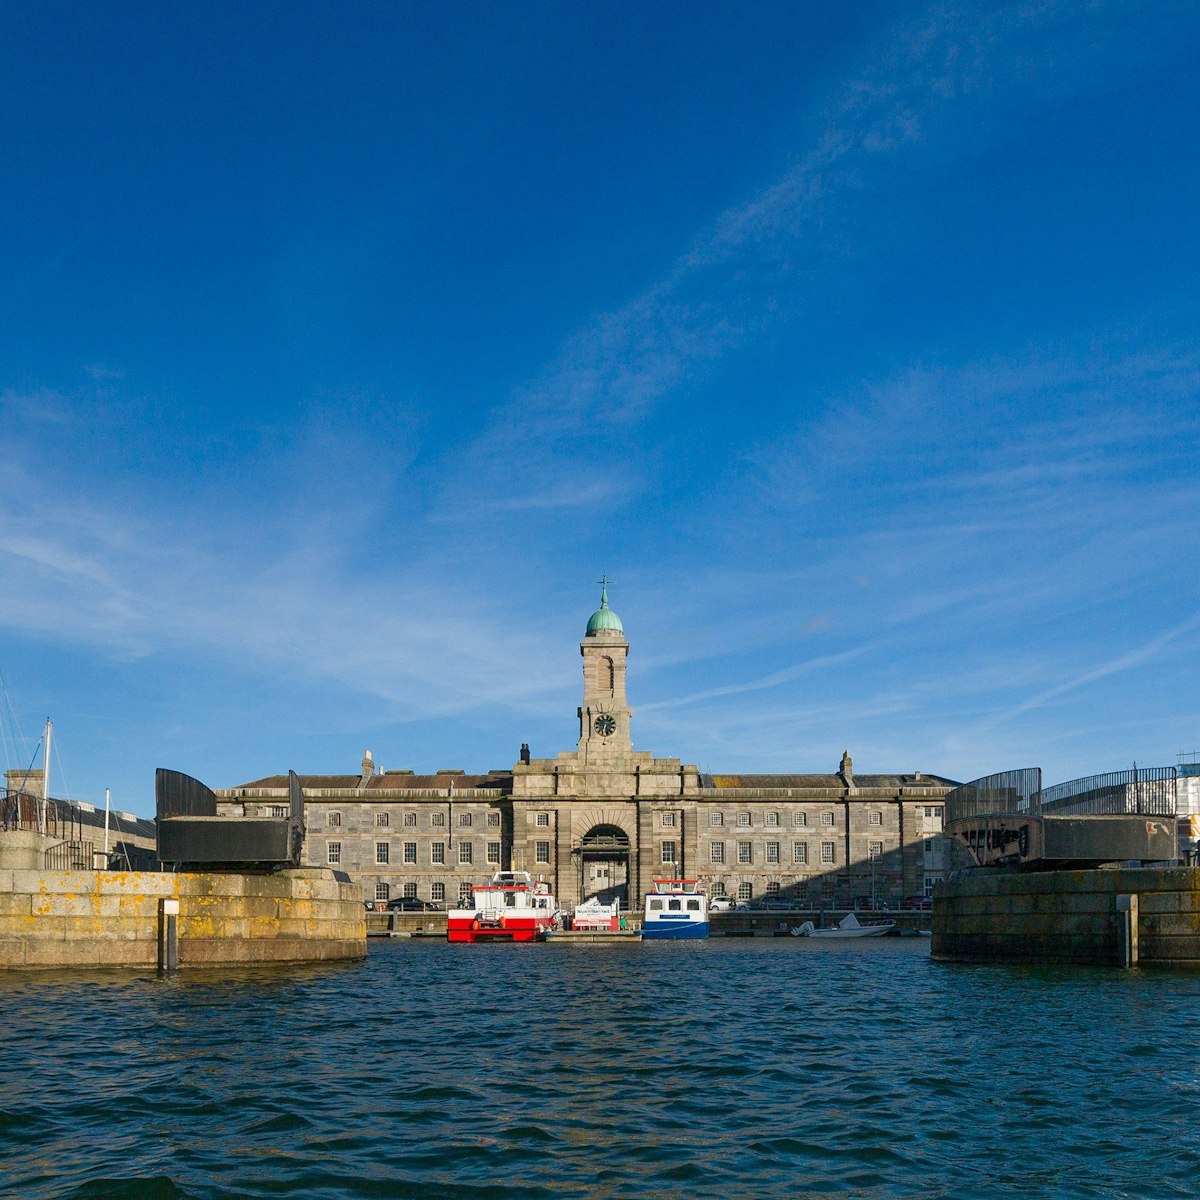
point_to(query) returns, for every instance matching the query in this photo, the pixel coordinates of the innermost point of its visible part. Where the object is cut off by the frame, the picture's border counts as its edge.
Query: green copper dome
(604, 617)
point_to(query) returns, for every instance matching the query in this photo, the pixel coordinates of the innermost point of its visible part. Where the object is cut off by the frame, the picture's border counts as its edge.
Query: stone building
(605, 819)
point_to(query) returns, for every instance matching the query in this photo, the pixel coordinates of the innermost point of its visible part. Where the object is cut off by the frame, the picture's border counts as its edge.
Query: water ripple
(738, 1068)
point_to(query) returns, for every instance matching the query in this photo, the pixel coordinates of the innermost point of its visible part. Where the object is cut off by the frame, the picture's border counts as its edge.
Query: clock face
(604, 725)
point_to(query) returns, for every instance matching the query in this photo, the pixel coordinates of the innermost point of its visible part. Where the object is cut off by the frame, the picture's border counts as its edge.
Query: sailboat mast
(106, 828)
(45, 779)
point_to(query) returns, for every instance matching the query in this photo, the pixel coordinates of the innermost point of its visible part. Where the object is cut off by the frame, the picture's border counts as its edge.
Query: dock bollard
(1127, 930)
(168, 935)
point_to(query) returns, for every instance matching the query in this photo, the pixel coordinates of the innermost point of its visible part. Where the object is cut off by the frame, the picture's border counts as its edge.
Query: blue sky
(342, 348)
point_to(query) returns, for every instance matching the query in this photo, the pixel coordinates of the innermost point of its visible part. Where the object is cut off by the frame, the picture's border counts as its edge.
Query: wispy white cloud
(1138, 657)
(926, 84)
(773, 680)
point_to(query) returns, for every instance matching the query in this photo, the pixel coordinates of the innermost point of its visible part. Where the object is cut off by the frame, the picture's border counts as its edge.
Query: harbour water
(726, 1068)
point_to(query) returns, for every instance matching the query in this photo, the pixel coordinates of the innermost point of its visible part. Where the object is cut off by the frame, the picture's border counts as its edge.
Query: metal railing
(1004, 793)
(1142, 790)
(19, 811)
(71, 856)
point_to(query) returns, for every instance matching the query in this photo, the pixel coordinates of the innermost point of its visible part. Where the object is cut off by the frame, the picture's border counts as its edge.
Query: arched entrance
(603, 854)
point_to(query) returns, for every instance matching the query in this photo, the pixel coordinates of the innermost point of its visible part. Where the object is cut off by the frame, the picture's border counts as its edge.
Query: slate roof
(822, 781)
(397, 783)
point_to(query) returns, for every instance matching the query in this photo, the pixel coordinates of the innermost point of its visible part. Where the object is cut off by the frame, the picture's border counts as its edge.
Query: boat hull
(674, 930)
(471, 929)
(850, 933)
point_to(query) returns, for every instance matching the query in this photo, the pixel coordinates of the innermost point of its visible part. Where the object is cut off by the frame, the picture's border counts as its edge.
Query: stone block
(61, 953)
(61, 904)
(15, 904)
(1170, 924)
(1168, 950)
(135, 883)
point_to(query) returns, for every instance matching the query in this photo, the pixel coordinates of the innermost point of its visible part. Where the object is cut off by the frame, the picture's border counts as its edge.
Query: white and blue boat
(676, 908)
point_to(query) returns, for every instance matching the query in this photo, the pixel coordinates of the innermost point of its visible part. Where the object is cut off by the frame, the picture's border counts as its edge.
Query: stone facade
(605, 819)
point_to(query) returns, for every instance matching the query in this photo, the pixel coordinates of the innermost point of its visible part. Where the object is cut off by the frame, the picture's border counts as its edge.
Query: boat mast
(106, 793)
(45, 780)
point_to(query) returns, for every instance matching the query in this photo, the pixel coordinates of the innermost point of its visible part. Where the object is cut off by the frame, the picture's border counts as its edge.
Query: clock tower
(604, 715)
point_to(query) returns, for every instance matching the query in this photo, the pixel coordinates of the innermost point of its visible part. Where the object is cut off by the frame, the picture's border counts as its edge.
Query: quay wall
(112, 918)
(998, 914)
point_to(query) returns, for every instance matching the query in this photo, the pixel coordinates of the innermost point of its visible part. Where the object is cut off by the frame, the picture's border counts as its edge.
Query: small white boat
(848, 927)
(676, 908)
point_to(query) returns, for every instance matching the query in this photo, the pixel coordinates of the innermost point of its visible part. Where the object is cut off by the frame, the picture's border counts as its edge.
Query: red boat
(512, 908)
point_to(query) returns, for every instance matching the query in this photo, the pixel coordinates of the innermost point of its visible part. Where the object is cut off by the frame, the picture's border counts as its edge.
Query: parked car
(411, 904)
(720, 904)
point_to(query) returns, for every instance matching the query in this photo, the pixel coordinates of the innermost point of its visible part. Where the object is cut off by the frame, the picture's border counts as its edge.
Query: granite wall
(998, 914)
(111, 918)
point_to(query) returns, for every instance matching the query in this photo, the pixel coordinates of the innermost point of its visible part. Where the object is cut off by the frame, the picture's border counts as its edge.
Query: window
(437, 891)
(410, 891)
(772, 852)
(464, 852)
(772, 818)
(437, 852)
(674, 906)
(668, 820)
(802, 893)
(743, 818)
(668, 852)
(381, 852)
(381, 820)
(381, 891)
(827, 818)
(541, 852)
(937, 812)
(493, 852)
(333, 818)
(875, 850)
(718, 888)
(716, 852)
(693, 906)
(929, 845)
(493, 819)
(745, 852)
(410, 852)
(410, 820)
(464, 819)
(438, 818)
(799, 818)
(716, 819)
(772, 889)
(800, 852)
(827, 852)
(745, 891)
(542, 820)
(656, 905)
(278, 810)
(464, 895)
(874, 818)
(335, 852)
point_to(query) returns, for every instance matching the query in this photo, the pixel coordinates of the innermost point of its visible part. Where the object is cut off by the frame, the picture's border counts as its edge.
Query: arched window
(608, 678)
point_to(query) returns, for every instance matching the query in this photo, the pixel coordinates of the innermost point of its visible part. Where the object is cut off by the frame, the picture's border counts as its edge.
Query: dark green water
(725, 1068)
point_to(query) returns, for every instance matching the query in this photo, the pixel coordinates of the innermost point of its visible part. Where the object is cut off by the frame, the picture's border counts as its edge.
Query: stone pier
(111, 918)
(999, 914)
